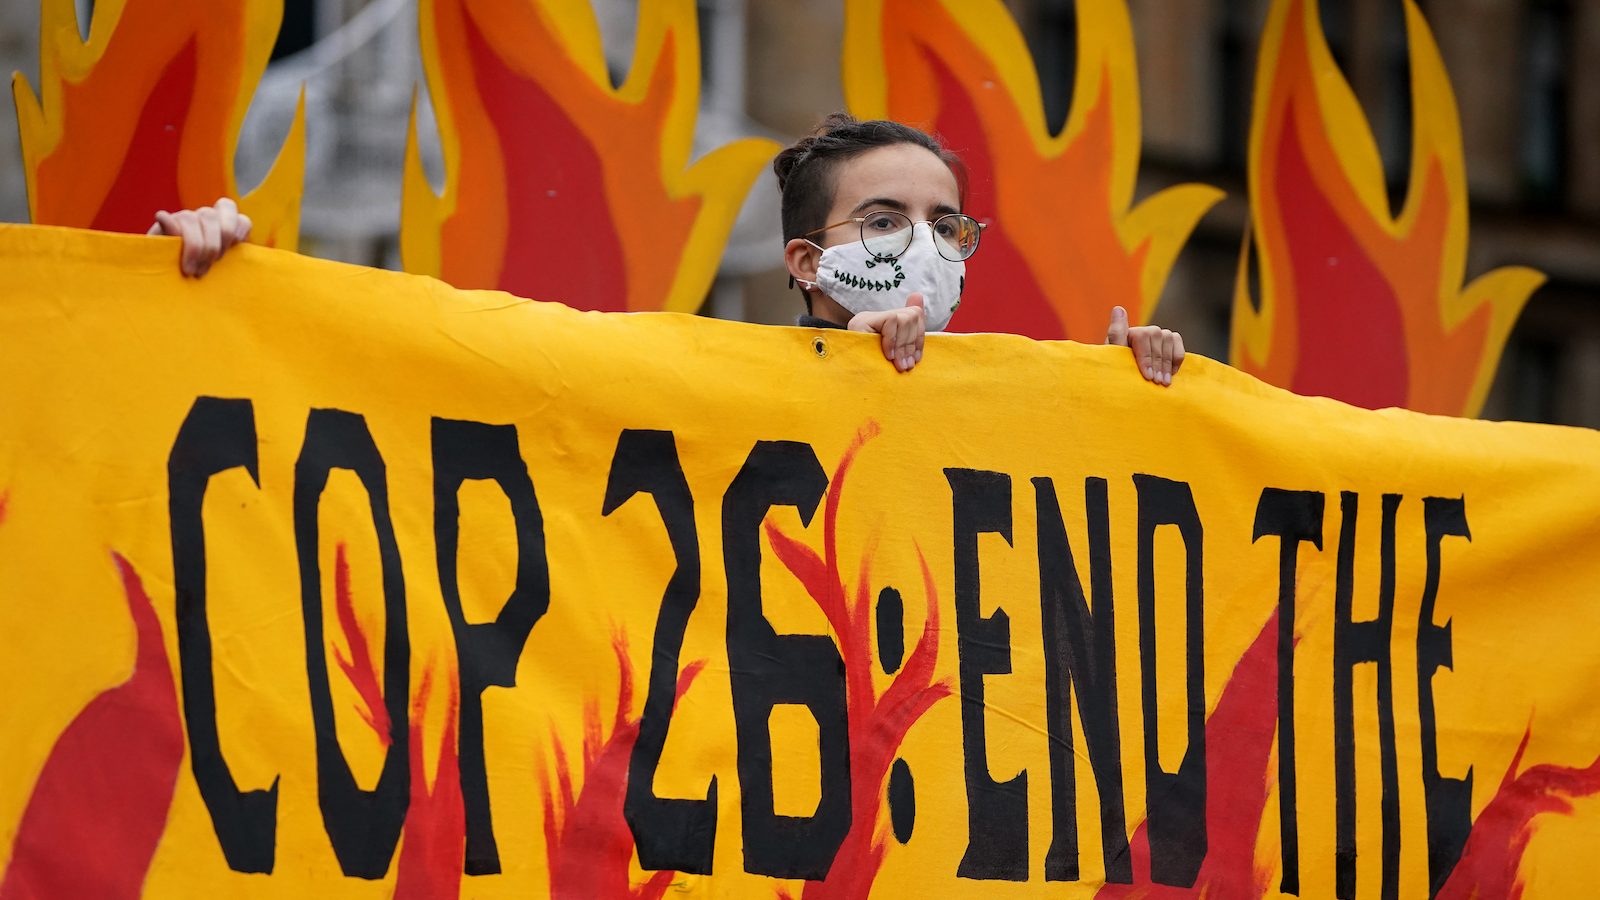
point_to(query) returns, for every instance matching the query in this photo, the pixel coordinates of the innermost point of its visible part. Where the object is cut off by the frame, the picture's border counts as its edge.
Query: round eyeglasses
(887, 234)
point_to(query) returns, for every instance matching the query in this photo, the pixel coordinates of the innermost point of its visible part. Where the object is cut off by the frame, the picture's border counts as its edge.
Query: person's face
(905, 178)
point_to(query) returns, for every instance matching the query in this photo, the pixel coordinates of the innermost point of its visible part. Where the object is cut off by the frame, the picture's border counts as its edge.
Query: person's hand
(901, 329)
(1157, 351)
(207, 233)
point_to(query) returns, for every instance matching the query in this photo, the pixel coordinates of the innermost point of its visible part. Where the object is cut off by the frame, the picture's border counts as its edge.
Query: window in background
(1547, 68)
(85, 10)
(1394, 133)
(1238, 27)
(1338, 25)
(299, 28)
(1053, 40)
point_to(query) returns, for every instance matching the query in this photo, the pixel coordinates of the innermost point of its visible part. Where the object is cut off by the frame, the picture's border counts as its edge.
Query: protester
(874, 237)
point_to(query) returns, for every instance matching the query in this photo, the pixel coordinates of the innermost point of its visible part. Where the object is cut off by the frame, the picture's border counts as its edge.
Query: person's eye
(881, 222)
(946, 229)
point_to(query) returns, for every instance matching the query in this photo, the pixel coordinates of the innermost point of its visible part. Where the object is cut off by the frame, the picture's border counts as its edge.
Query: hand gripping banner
(322, 580)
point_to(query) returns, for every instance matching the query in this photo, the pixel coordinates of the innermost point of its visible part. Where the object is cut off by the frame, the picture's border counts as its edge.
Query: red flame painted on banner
(877, 723)
(434, 844)
(1491, 860)
(588, 843)
(358, 666)
(1239, 737)
(100, 804)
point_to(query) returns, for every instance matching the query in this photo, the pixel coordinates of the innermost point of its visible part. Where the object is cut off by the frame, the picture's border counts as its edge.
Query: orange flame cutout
(588, 844)
(1357, 304)
(145, 115)
(877, 722)
(557, 185)
(1067, 243)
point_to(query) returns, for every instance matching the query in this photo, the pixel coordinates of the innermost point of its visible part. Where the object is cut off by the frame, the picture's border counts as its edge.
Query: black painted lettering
(767, 669)
(1080, 660)
(669, 833)
(1448, 800)
(486, 652)
(1355, 643)
(216, 436)
(997, 812)
(1177, 800)
(1295, 517)
(363, 826)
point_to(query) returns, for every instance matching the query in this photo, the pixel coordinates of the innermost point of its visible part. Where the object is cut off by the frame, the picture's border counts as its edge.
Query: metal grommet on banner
(819, 346)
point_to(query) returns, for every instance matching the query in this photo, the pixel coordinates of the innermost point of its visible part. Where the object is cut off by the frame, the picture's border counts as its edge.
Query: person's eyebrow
(945, 209)
(879, 201)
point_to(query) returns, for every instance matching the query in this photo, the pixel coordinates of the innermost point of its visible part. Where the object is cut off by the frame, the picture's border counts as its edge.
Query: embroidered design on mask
(868, 284)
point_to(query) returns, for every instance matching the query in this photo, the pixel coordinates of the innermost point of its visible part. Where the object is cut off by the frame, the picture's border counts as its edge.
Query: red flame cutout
(432, 852)
(100, 805)
(1357, 302)
(588, 844)
(1070, 241)
(1493, 853)
(144, 114)
(877, 724)
(358, 666)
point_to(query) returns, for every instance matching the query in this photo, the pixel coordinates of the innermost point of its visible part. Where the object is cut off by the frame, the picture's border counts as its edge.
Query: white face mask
(861, 282)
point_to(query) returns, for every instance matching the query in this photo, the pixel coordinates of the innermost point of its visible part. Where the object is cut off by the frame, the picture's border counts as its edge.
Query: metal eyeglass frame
(861, 221)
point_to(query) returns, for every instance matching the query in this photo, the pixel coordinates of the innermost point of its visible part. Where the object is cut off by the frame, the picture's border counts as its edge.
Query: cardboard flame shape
(145, 115)
(1355, 303)
(1067, 243)
(557, 185)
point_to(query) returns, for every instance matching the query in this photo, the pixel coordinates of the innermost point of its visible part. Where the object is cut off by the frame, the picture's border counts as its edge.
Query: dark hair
(805, 170)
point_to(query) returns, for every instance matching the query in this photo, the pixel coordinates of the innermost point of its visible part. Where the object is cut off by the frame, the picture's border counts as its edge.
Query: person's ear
(801, 259)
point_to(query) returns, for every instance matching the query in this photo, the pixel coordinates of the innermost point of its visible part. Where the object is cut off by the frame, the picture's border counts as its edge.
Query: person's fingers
(1166, 357)
(156, 227)
(910, 337)
(1177, 351)
(889, 338)
(1117, 331)
(916, 327)
(1143, 353)
(187, 227)
(241, 231)
(227, 221)
(211, 239)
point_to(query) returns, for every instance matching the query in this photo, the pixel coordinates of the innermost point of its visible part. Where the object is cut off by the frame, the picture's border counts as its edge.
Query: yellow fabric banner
(321, 579)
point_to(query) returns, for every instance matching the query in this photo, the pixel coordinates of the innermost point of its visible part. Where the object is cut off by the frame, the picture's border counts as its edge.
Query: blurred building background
(1526, 75)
